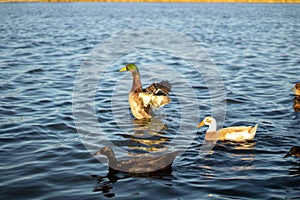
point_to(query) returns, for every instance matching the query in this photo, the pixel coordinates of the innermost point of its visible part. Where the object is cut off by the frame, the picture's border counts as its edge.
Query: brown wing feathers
(162, 88)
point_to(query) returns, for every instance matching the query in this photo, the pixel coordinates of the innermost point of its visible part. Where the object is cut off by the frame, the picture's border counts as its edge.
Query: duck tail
(254, 128)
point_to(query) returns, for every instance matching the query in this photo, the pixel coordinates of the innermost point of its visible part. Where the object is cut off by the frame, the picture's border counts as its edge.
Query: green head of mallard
(129, 67)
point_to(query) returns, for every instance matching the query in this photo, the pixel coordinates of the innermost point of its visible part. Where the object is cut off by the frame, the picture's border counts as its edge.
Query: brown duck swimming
(141, 100)
(294, 151)
(234, 134)
(296, 89)
(138, 165)
(296, 104)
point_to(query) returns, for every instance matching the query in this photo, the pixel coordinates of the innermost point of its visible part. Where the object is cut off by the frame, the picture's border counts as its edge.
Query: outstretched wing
(161, 88)
(156, 94)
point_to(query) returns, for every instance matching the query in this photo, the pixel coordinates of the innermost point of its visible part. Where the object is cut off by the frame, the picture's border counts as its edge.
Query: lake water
(255, 49)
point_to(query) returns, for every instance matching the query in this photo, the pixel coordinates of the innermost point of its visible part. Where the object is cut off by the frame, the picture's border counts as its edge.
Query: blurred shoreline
(163, 1)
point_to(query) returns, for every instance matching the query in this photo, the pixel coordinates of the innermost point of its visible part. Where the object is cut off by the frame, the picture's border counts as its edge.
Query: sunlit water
(256, 49)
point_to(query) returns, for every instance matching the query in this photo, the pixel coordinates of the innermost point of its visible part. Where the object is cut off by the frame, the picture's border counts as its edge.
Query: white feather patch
(157, 101)
(238, 136)
(146, 98)
(153, 100)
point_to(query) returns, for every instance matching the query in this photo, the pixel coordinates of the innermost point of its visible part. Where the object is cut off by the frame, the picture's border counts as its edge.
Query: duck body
(138, 165)
(234, 134)
(296, 104)
(141, 100)
(238, 133)
(137, 107)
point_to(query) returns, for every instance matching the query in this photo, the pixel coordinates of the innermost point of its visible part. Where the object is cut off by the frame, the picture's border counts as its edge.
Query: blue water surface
(255, 47)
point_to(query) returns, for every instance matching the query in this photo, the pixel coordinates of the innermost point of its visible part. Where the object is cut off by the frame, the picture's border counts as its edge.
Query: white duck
(234, 134)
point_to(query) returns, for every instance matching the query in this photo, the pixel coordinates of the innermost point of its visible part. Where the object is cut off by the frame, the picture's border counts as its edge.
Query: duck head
(106, 151)
(109, 153)
(207, 121)
(296, 89)
(129, 67)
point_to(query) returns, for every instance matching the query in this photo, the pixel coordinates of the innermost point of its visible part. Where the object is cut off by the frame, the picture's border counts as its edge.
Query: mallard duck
(296, 104)
(296, 89)
(137, 165)
(141, 100)
(234, 134)
(294, 151)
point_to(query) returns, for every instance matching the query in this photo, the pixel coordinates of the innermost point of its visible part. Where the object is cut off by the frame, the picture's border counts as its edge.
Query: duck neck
(212, 126)
(136, 80)
(112, 160)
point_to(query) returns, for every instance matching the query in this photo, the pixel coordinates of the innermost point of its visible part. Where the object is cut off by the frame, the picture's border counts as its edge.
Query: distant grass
(165, 1)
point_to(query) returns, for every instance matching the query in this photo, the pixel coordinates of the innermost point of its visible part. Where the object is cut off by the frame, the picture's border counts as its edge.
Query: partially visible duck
(294, 151)
(137, 165)
(142, 100)
(296, 89)
(296, 104)
(234, 134)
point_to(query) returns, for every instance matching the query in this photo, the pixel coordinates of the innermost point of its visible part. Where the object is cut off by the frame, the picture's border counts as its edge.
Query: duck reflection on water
(146, 136)
(149, 136)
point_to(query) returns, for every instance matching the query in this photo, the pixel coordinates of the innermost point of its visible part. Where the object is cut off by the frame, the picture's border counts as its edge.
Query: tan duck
(234, 134)
(141, 100)
(296, 89)
(137, 165)
(294, 151)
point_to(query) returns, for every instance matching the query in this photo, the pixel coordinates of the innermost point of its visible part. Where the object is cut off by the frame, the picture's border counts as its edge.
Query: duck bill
(123, 69)
(200, 124)
(97, 153)
(287, 155)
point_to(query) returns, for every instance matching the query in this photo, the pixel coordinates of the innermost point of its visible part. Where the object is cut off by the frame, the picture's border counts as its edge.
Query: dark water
(256, 49)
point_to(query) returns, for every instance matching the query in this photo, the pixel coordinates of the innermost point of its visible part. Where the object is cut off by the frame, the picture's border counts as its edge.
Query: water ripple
(255, 48)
